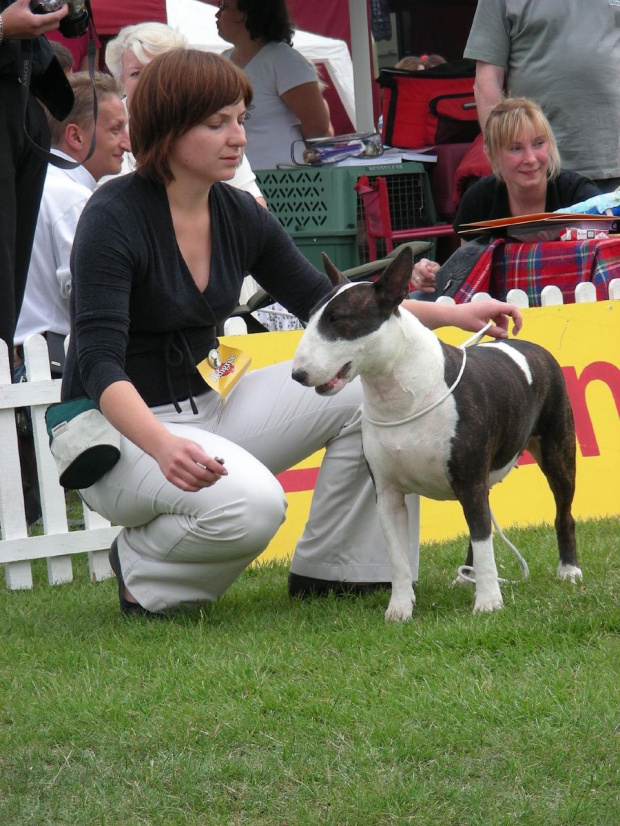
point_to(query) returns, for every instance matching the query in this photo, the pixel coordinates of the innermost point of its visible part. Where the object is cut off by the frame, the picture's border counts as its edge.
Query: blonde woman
(527, 177)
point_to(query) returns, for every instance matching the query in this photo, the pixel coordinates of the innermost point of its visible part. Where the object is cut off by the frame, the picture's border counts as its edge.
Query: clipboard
(548, 224)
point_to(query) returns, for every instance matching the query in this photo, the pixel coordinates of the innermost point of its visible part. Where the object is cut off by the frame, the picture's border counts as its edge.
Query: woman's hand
(423, 276)
(185, 464)
(474, 315)
(182, 461)
(20, 23)
(471, 317)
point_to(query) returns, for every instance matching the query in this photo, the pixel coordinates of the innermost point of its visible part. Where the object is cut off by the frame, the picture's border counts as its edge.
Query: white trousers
(180, 548)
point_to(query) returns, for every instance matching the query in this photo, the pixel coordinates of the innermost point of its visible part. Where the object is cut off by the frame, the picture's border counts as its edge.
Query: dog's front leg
(478, 516)
(394, 519)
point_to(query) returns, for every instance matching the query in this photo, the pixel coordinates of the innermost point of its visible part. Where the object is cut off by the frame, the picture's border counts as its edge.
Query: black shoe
(126, 606)
(32, 504)
(307, 586)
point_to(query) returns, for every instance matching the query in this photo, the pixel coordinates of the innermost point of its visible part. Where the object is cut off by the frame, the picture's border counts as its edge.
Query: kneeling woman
(158, 260)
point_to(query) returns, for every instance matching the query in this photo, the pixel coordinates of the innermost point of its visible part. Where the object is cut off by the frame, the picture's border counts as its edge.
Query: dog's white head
(342, 339)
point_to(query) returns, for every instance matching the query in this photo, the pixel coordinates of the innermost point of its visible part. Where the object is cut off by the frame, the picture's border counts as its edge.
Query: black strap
(25, 75)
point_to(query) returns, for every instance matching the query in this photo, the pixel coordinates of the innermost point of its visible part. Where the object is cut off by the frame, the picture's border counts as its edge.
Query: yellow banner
(585, 339)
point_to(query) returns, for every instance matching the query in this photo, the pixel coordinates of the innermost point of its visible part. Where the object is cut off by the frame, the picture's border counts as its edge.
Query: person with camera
(45, 307)
(24, 55)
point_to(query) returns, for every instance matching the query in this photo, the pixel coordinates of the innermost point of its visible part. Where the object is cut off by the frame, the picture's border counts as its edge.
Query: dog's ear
(392, 286)
(333, 273)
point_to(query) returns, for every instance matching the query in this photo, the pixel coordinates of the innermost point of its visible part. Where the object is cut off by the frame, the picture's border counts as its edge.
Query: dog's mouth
(335, 384)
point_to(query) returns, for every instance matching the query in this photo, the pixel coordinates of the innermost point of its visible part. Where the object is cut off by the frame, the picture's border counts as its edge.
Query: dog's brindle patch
(373, 305)
(546, 430)
(344, 319)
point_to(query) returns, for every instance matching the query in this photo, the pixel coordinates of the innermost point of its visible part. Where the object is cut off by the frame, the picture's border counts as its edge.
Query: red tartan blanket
(508, 265)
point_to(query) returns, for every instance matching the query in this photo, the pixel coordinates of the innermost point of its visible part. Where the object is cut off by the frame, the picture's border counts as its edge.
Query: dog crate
(321, 211)
(410, 201)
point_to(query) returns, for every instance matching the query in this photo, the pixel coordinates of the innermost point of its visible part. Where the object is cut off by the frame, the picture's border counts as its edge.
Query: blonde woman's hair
(146, 41)
(507, 120)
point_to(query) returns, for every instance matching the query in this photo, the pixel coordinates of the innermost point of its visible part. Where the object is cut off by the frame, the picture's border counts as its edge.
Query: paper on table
(382, 160)
(414, 154)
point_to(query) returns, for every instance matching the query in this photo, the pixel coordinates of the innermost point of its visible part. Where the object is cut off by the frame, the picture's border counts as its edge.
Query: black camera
(74, 24)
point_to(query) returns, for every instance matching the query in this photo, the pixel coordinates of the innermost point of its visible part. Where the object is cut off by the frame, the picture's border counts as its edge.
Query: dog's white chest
(414, 456)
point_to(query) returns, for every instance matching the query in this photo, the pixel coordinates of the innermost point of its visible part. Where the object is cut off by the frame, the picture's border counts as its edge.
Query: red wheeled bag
(424, 108)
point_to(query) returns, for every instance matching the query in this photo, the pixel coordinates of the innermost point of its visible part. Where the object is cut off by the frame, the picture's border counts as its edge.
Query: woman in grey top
(158, 260)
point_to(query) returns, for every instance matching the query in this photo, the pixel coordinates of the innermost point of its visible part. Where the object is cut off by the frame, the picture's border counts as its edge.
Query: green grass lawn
(263, 710)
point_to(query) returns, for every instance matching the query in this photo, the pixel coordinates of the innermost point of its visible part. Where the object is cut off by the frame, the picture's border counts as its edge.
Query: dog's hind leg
(475, 505)
(394, 519)
(555, 455)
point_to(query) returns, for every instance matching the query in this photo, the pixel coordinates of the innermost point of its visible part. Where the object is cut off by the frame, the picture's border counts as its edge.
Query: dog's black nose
(301, 376)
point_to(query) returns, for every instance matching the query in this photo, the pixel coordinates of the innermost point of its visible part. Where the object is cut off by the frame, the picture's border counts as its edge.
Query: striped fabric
(508, 265)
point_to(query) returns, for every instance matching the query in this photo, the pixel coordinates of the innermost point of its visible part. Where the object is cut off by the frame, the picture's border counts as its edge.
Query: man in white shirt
(45, 308)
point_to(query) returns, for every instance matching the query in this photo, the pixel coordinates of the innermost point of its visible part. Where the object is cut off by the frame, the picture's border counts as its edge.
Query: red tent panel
(111, 15)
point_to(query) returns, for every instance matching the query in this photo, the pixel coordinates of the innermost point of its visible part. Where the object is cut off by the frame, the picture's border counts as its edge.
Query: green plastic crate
(309, 200)
(341, 248)
(321, 203)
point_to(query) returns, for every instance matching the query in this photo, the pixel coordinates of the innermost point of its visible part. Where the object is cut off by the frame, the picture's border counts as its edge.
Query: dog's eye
(334, 317)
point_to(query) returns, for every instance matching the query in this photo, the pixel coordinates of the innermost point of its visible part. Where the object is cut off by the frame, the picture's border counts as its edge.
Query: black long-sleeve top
(11, 52)
(487, 199)
(136, 312)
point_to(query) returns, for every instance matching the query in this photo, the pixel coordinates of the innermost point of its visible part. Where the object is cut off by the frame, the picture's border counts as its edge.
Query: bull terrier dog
(441, 421)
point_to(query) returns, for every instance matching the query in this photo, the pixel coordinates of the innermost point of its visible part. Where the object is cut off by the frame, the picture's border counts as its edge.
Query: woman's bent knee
(244, 526)
(260, 513)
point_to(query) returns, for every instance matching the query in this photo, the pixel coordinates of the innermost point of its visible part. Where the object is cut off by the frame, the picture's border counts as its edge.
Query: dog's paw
(486, 606)
(399, 613)
(400, 609)
(570, 572)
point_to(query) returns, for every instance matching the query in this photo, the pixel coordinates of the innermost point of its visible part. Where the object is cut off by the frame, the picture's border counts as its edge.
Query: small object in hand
(216, 458)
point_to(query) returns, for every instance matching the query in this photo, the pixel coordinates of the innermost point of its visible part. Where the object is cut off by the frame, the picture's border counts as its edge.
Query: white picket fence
(585, 293)
(57, 544)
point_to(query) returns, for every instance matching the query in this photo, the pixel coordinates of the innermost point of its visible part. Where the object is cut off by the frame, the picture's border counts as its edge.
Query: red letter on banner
(597, 371)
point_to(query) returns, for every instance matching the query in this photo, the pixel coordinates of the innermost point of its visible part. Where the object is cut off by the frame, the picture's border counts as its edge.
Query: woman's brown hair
(177, 91)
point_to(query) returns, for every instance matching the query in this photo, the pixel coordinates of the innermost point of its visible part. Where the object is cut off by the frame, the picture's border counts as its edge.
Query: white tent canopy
(196, 21)
(358, 17)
